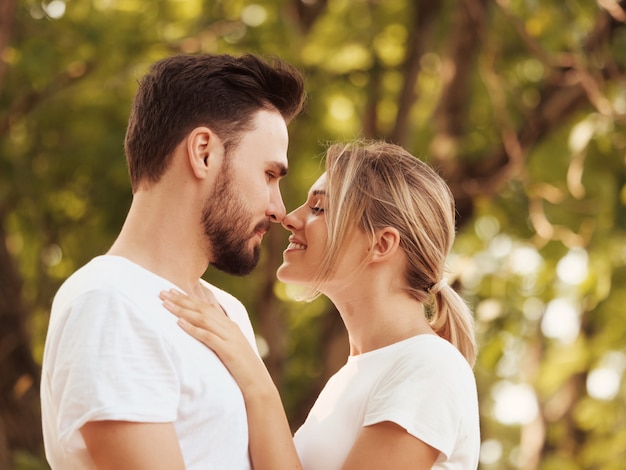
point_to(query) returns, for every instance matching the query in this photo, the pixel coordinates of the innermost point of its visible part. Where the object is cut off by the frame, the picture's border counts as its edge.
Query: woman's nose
(290, 221)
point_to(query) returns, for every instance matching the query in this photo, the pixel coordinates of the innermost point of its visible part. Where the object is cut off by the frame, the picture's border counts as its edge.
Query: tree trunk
(423, 15)
(20, 422)
(270, 311)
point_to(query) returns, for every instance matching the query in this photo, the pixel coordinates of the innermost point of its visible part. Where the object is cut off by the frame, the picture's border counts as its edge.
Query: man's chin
(234, 271)
(236, 266)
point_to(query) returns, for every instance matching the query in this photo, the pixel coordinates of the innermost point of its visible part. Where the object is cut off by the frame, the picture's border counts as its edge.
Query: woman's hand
(271, 445)
(206, 321)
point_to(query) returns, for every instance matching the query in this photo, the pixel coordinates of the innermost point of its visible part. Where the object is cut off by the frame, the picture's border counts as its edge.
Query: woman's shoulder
(431, 345)
(432, 353)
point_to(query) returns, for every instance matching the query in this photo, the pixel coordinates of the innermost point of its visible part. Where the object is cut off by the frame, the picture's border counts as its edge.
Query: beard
(226, 222)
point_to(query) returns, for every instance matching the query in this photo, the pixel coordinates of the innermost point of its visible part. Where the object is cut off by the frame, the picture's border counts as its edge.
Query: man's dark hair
(221, 92)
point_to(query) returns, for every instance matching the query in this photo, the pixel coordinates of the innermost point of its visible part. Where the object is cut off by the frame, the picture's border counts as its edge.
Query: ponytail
(453, 321)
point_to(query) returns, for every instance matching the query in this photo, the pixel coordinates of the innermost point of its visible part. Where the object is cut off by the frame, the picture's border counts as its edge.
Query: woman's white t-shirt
(423, 384)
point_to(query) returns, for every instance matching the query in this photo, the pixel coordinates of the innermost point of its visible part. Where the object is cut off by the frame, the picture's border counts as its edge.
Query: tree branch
(566, 89)
(26, 103)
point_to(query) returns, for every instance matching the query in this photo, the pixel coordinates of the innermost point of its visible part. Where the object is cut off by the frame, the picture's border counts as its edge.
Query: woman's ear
(386, 243)
(201, 142)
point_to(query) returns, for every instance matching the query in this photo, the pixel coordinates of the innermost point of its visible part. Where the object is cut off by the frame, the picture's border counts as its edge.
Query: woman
(373, 236)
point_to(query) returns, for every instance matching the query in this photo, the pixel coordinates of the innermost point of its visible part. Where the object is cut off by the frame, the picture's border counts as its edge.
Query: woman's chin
(284, 274)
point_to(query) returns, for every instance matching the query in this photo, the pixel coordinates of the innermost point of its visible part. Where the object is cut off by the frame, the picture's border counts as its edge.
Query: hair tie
(437, 286)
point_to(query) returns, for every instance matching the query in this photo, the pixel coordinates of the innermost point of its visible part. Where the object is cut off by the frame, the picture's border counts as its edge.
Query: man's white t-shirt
(113, 352)
(423, 384)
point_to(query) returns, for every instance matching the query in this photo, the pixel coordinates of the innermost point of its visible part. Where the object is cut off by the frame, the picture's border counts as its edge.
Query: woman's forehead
(319, 187)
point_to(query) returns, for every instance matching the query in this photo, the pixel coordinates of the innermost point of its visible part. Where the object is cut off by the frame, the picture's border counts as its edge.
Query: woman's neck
(379, 316)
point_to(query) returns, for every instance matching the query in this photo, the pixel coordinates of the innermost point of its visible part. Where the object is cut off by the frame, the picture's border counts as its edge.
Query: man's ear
(386, 244)
(202, 144)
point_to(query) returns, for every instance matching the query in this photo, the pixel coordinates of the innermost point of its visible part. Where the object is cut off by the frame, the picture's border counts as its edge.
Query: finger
(188, 302)
(193, 317)
(194, 310)
(207, 337)
(202, 323)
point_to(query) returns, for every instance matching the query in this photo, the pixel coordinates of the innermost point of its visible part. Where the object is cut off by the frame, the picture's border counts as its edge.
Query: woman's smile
(295, 245)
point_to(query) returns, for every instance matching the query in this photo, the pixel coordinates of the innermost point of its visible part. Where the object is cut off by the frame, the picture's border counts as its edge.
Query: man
(123, 386)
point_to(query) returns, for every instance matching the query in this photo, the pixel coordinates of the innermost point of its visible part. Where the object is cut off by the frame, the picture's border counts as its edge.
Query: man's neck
(164, 241)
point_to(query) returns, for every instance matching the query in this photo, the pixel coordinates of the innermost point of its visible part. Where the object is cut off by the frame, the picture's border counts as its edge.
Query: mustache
(263, 226)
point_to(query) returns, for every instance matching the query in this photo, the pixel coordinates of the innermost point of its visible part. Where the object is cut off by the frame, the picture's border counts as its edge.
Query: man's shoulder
(110, 275)
(99, 271)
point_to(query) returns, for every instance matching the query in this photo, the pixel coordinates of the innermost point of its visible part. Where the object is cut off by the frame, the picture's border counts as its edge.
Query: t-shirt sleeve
(113, 365)
(422, 399)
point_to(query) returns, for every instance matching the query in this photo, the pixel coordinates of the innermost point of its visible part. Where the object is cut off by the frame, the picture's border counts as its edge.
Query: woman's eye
(317, 210)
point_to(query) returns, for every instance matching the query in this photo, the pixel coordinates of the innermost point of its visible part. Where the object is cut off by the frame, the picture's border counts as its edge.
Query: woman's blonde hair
(372, 185)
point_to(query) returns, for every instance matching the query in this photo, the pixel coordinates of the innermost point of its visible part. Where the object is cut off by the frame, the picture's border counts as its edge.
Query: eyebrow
(318, 192)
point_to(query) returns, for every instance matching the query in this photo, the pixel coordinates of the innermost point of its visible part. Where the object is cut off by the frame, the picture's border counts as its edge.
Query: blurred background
(520, 105)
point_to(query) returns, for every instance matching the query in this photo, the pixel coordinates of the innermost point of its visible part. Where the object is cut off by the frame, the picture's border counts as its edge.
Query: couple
(125, 385)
